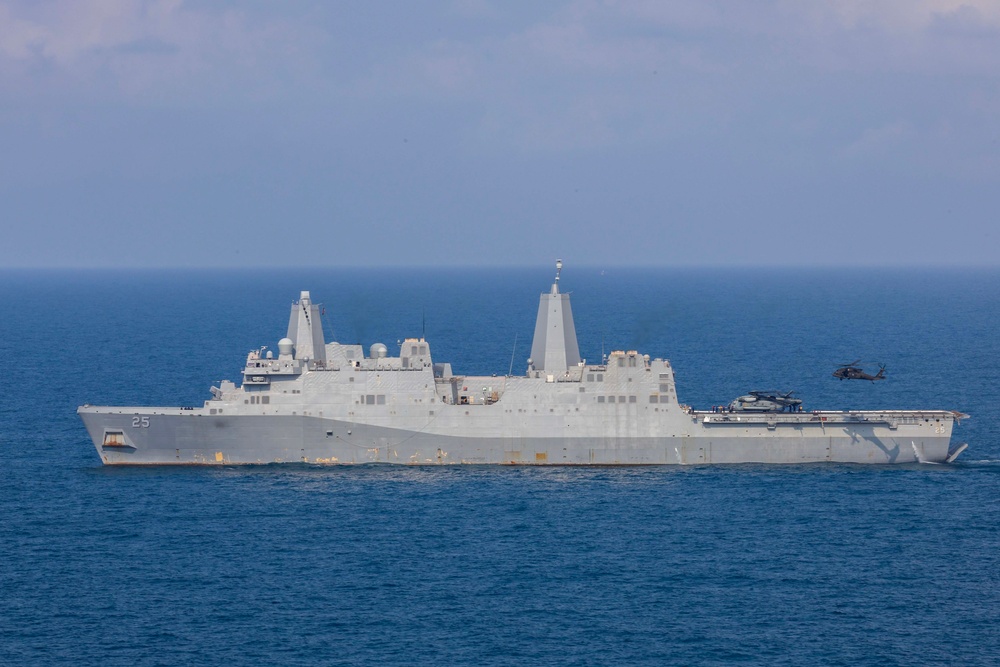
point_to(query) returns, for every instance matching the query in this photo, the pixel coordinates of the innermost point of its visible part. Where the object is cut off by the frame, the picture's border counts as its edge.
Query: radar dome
(378, 351)
(285, 346)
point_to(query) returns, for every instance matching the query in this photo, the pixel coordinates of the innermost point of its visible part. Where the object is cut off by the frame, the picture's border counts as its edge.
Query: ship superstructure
(319, 402)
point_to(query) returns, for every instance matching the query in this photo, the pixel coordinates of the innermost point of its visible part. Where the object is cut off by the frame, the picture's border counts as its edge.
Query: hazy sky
(772, 132)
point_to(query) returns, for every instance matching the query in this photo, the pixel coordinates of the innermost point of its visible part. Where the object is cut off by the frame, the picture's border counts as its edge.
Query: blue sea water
(753, 564)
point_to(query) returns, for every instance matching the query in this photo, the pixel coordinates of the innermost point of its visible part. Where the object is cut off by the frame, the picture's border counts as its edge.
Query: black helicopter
(852, 371)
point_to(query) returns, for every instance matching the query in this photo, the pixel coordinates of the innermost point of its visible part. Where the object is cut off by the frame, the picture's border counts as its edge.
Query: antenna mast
(511, 369)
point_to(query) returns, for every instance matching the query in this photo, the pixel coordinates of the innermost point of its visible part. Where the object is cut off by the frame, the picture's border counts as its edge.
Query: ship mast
(554, 348)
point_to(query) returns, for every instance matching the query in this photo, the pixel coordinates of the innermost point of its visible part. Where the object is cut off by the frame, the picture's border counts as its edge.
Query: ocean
(820, 564)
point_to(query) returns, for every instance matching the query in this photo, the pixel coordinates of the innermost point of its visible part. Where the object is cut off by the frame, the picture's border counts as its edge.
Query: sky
(211, 133)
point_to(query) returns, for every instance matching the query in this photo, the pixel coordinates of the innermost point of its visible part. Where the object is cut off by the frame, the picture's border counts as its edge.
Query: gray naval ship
(328, 403)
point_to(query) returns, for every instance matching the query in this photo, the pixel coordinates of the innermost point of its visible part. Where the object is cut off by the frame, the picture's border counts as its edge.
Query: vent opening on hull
(116, 440)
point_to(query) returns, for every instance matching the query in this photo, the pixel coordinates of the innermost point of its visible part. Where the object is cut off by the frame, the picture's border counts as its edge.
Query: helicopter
(852, 371)
(766, 401)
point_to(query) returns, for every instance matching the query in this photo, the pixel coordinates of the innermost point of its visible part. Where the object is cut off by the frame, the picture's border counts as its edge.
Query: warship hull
(173, 437)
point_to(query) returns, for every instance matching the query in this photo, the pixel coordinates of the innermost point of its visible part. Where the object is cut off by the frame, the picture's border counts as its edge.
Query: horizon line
(485, 266)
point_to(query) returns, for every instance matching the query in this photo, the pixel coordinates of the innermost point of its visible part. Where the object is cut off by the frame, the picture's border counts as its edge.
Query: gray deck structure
(328, 403)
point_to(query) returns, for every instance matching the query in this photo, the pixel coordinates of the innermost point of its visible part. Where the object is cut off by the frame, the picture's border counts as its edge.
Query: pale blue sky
(211, 133)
